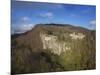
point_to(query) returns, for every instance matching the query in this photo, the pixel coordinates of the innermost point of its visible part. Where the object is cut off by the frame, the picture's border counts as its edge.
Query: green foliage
(27, 57)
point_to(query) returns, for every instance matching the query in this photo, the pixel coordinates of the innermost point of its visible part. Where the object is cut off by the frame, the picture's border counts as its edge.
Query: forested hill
(53, 47)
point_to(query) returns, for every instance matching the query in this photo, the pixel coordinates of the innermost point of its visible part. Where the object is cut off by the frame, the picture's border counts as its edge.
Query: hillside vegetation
(53, 48)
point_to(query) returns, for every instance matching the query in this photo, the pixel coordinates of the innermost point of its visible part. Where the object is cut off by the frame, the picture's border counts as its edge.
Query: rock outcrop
(52, 43)
(77, 35)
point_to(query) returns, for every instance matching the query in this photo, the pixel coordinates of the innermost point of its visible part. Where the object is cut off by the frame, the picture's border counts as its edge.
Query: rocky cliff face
(52, 43)
(53, 47)
(57, 46)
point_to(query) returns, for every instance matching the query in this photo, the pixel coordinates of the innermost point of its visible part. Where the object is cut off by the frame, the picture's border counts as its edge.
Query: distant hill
(51, 48)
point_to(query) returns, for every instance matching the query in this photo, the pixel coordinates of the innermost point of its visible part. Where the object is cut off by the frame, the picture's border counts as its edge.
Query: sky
(25, 15)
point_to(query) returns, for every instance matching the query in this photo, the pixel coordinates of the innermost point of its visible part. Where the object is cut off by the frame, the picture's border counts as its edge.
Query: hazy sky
(24, 15)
